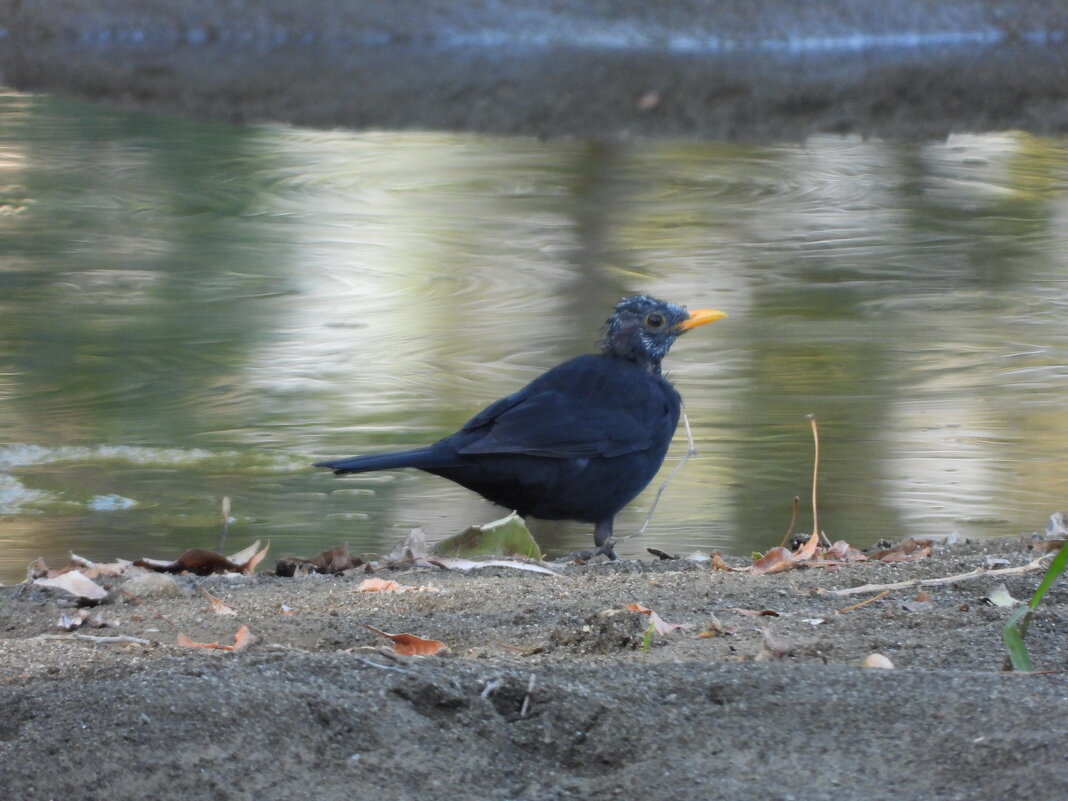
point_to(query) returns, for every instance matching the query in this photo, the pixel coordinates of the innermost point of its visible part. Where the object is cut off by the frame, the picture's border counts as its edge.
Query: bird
(581, 440)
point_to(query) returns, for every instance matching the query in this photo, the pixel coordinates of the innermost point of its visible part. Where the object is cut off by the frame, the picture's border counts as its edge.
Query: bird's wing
(577, 410)
(553, 424)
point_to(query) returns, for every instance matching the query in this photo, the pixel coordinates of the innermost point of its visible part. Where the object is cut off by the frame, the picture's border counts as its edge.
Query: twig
(526, 699)
(690, 451)
(815, 477)
(979, 572)
(793, 521)
(380, 666)
(226, 521)
(93, 638)
(882, 594)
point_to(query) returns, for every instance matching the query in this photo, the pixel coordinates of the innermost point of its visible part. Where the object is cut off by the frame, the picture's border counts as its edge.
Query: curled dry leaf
(660, 626)
(389, 585)
(242, 639)
(776, 560)
(410, 645)
(203, 562)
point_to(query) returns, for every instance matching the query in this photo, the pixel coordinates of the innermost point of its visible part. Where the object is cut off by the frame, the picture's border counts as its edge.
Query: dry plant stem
(94, 638)
(691, 451)
(793, 522)
(526, 698)
(815, 476)
(979, 572)
(882, 594)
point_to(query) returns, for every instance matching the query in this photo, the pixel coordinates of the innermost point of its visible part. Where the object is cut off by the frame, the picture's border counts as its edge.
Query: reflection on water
(189, 311)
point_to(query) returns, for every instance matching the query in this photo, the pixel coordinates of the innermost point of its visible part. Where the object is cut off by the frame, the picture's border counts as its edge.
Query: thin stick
(815, 472)
(882, 594)
(226, 521)
(979, 572)
(93, 638)
(793, 522)
(526, 699)
(691, 451)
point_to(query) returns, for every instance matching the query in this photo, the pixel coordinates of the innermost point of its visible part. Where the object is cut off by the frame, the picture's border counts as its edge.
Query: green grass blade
(1012, 634)
(1056, 567)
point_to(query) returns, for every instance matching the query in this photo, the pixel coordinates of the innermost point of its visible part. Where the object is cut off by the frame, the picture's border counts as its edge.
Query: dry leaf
(203, 562)
(217, 606)
(331, 562)
(410, 645)
(909, 550)
(76, 584)
(389, 585)
(243, 639)
(719, 564)
(808, 550)
(845, 552)
(755, 612)
(660, 626)
(776, 560)
(999, 596)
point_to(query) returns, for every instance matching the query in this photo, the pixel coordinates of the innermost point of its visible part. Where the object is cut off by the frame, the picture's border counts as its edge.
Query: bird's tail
(423, 458)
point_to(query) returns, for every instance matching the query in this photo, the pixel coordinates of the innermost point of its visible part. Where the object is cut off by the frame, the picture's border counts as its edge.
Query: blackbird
(580, 441)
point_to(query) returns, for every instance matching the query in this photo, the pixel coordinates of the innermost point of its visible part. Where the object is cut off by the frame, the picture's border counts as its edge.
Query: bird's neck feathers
(636, 349)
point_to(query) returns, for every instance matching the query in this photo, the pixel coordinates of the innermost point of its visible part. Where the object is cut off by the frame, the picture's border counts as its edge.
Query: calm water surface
(195, 311)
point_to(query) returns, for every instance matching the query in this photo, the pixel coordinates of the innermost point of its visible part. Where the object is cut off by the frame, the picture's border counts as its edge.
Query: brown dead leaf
(900, 556)
(776, 560)
(410, 645)
(843, 551)
(242, 639)
(905, 548)
(756, 612)
(660, 626)
(808, 550)
(203, 562)
(718, 563)
(331, 562)
(389, 585)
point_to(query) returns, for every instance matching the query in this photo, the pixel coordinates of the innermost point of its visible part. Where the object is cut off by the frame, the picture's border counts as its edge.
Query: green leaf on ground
(508, 536)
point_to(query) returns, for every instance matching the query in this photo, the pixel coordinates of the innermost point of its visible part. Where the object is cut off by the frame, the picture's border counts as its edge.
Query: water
(192, 311)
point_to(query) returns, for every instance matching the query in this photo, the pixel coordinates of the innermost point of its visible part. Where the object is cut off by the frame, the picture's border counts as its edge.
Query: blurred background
(193, 310)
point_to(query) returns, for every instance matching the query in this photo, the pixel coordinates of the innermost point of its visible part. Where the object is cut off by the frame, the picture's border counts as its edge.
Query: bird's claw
(606, 548)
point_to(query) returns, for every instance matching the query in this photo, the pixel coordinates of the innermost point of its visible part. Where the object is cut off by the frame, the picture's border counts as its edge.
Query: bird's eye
(654, 320)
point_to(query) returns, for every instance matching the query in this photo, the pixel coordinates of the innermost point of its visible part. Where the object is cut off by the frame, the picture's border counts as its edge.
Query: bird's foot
(606, 548)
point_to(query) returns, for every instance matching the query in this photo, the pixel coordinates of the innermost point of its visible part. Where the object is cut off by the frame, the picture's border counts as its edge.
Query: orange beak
(700, 317)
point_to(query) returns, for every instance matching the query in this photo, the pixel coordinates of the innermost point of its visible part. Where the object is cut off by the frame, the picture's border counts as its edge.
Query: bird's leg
(602, 538)
(691, 451)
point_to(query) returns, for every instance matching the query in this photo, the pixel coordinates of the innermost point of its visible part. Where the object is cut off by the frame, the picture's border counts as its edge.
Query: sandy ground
(544, 695)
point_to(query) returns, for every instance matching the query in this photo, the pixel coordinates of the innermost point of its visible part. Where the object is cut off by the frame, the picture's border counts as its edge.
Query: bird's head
(642, 329)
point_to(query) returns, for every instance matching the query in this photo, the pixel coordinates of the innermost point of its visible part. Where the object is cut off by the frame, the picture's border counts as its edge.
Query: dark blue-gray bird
(580, 441)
